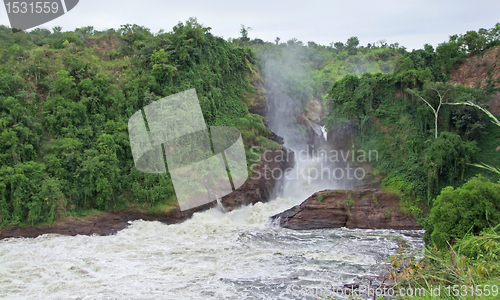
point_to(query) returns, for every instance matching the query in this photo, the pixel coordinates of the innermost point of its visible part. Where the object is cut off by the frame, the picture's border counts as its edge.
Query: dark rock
(258, 103)
(274, 137)
(261, 184)
(259, 109)
(365, 209)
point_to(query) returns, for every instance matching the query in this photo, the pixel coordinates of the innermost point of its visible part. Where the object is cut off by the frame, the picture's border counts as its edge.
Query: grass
(81, 212)
(472, 262)
(161, 208)
(72, 213)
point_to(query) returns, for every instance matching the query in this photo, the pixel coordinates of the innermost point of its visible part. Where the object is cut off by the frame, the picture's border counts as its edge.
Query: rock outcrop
(265, 178)
(365, 209)
(479, 71)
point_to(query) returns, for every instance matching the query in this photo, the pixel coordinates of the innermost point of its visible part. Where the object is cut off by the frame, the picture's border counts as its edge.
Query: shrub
(375, 200)
(471, 208)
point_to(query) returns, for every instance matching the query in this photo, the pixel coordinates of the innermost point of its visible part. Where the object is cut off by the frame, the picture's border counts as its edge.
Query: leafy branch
(442, 101)
(494, 120)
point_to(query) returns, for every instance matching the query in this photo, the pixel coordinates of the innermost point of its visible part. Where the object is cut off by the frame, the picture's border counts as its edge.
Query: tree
(474, 42)
(160, 67)
(57, 29)
(277, 41)
(495, 121)
(244, 33)
(339, 46)
(64, 109)
(351, 45)
(446, 159)
(443, 92)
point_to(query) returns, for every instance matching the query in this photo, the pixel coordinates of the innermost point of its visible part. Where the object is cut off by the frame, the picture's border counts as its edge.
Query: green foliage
(244, 33)
(473, 261)
(446, 159)
(392, 113)
(423, 152)
(65, 99)
(482, 251)
(471, 208)
(426, 64)
(352, 99)
(319, 198)
(349, 203)
(314, 68)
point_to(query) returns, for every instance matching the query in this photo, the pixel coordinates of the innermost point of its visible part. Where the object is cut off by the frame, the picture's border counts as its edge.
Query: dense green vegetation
(476, 203)
(65, 100)
(425, 144)
(431, 136)
(310, 70)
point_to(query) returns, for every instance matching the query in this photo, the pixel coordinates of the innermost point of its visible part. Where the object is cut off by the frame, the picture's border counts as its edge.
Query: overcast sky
(410, 23)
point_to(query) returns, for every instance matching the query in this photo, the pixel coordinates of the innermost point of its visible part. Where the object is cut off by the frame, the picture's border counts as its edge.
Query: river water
(213, 255)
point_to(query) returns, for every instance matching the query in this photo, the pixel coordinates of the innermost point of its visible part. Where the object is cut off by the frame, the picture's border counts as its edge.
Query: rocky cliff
(481, 71)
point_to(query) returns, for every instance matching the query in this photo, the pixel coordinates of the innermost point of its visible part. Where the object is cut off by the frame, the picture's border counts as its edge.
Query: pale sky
(410, 23)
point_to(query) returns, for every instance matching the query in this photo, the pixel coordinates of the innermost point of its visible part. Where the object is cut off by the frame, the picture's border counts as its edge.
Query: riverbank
(102, 223)
(258, 188)
(363, 209)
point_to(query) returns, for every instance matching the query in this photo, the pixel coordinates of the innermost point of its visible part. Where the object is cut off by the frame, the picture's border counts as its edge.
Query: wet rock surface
(362, 208)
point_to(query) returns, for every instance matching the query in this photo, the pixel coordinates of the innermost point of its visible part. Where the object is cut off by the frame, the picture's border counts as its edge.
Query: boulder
(362, 208)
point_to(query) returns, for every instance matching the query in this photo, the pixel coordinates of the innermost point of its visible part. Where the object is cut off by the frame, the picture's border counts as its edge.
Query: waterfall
(323, 131)
(282, 73)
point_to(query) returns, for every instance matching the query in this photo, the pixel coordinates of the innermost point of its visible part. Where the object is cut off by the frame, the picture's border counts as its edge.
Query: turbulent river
(213, 255)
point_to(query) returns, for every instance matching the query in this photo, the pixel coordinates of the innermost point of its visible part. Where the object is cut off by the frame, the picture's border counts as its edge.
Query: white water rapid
(214, 255)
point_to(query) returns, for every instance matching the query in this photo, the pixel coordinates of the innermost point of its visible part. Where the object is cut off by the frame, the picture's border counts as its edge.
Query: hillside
(481, 71)
(65, 100)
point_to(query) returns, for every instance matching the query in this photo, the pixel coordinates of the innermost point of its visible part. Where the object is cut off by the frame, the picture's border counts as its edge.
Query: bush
(471, 208)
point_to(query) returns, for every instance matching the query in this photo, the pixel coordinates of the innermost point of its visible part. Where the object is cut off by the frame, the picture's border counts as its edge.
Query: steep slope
(481, 71)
